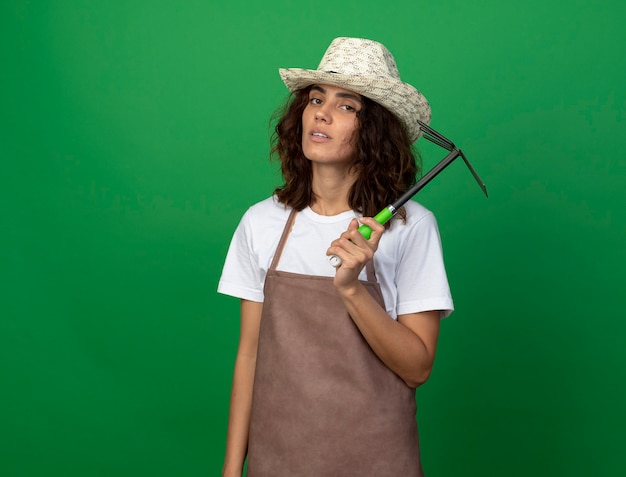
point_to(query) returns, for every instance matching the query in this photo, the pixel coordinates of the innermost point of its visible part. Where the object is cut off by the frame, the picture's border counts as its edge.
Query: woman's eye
(347, 107)
(316, 101)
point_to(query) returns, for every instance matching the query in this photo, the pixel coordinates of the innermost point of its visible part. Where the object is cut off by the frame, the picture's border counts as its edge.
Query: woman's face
(329, 123)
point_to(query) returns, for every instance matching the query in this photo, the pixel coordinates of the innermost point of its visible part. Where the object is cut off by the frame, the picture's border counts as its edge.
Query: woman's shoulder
(416, 213)
(268, 212)
(419, 221)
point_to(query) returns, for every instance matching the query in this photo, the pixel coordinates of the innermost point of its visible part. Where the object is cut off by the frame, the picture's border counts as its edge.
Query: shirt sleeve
(421, 280)
(242, 276)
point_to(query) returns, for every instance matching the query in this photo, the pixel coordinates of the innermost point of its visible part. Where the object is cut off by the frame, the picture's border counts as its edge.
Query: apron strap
(283, 239)
(371, 271)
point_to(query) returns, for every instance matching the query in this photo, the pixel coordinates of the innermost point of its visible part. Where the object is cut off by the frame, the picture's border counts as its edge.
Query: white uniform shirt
(409, 260)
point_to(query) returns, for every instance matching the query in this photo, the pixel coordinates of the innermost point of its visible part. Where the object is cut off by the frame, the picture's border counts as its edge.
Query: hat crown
(359, 57)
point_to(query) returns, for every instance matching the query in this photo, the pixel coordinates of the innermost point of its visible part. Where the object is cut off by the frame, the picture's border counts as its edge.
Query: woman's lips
(319, 136)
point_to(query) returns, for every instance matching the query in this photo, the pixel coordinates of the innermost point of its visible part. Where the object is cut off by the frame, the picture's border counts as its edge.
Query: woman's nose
(322, 114)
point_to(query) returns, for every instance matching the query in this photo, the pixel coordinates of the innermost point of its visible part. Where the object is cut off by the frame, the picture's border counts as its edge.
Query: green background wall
(133, 135)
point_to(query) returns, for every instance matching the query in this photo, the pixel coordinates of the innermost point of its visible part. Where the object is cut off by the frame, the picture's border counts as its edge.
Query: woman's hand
(355, 251)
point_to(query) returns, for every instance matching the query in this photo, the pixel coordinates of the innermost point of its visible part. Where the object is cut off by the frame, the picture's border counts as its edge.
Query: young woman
(329, 359)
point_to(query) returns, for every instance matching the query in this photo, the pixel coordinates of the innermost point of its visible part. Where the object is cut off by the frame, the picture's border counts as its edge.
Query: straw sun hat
(368, 68)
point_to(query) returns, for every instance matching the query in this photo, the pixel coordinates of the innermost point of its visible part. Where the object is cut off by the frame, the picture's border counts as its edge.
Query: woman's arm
(241, 394)
(407, 346)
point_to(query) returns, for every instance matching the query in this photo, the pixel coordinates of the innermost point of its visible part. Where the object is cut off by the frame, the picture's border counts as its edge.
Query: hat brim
(402, 99)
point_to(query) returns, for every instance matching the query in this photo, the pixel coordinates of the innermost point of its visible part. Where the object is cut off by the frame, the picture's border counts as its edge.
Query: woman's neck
(331, 187)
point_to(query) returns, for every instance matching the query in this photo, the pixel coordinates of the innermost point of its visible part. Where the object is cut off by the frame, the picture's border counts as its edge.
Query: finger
(347, 248)
(359, 249)
(346, 259)
(377, 229)
(351, 235)
(351, 246)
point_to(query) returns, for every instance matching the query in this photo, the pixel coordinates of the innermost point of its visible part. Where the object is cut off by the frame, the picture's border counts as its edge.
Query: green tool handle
(381, 217)
(384, 215)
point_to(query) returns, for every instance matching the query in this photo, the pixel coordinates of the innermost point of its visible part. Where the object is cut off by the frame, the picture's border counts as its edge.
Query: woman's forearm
(407, 346)
(241, 394)
(239, 416)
